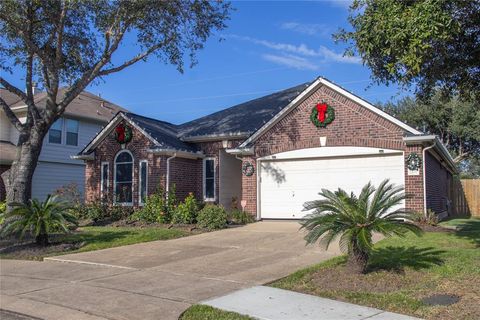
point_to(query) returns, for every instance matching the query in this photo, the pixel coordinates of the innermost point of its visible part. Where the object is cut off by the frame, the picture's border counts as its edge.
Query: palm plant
(37, 218)
(354, 220)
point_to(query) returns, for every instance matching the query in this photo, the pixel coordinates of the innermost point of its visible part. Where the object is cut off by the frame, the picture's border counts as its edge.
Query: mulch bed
(32, 251)
(437, 228)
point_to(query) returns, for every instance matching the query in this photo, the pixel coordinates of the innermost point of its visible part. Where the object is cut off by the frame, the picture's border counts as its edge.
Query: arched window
(123, 177)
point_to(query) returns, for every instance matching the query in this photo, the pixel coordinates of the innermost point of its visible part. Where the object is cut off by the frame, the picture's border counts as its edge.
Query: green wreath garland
(123, 133)
(414, 161)
(330, 116)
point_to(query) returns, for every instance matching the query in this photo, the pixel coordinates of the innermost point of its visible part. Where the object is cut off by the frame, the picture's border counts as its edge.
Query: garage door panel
(286, 185)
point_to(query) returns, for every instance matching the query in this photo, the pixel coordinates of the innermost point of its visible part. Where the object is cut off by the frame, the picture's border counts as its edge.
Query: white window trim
(63, 134)
(101, 179)
(204, 181)
(140, 202)
(115, 178)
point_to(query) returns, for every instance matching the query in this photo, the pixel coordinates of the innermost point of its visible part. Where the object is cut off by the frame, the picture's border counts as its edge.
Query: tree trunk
(18, 182)
(42, 239)
(357, 261)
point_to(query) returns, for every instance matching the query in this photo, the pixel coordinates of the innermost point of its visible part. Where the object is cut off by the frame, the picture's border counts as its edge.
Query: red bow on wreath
(120, 130)
(321, 110)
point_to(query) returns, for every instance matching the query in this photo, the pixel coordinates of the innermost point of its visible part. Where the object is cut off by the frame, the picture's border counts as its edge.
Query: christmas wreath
(248, 169)
(123, 133)
(413, 161)
(322, 115)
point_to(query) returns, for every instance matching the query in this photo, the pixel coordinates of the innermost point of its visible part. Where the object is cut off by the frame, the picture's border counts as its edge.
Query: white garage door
(286, 185)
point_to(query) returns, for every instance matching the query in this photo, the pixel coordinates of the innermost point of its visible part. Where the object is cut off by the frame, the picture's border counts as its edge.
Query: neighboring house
(270, 154)
(83, 118)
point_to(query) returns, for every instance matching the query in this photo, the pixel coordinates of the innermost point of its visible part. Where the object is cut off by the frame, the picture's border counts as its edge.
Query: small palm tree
(355, 219)
(38, 218)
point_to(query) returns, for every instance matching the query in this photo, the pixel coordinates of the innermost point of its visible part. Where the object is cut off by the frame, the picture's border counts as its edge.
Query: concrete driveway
(155, 280)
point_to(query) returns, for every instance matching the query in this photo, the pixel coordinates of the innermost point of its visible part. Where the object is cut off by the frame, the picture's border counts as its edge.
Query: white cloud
(310, 29)
(340, 3)
(291, 61)
(322, 54)
(330, 55)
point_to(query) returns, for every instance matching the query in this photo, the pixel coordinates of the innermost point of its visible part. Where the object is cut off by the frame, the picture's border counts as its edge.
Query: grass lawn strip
(404, 271)
(93, 238)
(200, 312)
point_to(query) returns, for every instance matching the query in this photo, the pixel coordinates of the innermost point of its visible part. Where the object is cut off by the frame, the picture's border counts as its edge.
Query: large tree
(72, 43)
(427, 43)
(456, 122)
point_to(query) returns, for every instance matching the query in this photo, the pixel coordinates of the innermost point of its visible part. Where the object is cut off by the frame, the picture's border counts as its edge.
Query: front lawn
(402, 272)
(199, 312)
(93, 238)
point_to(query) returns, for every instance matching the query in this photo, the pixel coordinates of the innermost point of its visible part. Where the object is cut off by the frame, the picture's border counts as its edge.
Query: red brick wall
(106, 152)
(3, 191)
(437, 181)
(354, 125)
(414, 183)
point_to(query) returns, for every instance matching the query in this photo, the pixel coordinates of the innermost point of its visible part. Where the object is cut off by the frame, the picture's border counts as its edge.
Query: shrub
(240, 217)
(153, 210)
(38, 218)
(3, 206)
(430, 218)
(212, 217)
(187, 211)
(354, 219)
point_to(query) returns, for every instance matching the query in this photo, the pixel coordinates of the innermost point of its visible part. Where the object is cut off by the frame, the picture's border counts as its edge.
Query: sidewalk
(268, 303)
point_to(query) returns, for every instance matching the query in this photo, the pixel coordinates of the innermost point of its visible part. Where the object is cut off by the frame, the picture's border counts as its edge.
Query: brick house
(271, 154)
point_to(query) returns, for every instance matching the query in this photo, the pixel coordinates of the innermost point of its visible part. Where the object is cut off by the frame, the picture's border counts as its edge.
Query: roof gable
(307, 92)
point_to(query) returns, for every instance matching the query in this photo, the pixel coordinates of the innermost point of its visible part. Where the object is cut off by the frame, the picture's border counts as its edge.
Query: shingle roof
(85, 105)
(165, 133)
(246, 117)
(8, 97)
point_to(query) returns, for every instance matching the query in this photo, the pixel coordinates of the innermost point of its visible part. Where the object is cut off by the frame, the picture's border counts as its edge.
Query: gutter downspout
(424, 177)
(167, 187)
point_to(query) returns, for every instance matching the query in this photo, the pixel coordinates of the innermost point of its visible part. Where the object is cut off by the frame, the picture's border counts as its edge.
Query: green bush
(430, 218)
(240, 217)
(3, 206)
(212, 217)
(40, 219)
(153, 210)
(186, 212)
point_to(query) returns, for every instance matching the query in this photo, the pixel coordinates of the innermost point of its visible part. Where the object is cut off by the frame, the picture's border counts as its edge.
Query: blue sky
(268, 46)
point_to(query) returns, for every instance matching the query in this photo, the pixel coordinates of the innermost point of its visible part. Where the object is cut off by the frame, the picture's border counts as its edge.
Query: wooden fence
(466, 197)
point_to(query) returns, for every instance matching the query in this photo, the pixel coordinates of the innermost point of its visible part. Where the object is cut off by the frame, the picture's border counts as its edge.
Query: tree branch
(130, 62)
(10, 115)
(7, 85)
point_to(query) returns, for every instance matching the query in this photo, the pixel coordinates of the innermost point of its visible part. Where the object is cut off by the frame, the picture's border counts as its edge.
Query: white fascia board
(281, 114)
(422, 138)
(369, 106)
(178, 153)
(241, 151)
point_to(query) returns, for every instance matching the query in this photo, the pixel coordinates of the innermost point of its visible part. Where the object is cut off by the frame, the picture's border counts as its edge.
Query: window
(124, 177)
(55, 132)
(104, 183)
(72, 132)
(143, 172)
(209, 179)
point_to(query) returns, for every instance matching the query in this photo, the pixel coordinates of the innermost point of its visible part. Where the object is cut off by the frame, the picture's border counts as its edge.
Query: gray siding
(49, 176)
(52, 152)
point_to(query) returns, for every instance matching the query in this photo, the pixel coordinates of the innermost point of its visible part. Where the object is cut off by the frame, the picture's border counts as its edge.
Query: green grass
(96, 238)
(200, 312)
(402, 271)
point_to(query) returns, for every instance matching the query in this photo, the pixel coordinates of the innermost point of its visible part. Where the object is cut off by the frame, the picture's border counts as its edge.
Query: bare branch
(128, 63)
(10, 115)
(7, 85)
